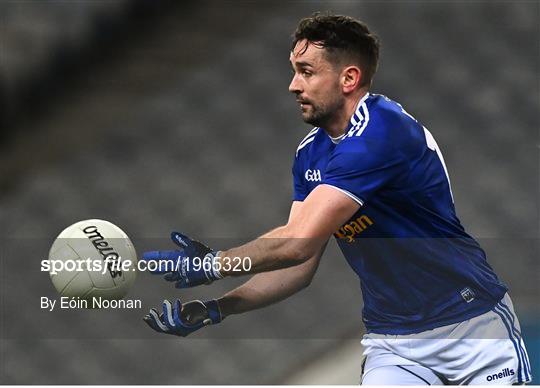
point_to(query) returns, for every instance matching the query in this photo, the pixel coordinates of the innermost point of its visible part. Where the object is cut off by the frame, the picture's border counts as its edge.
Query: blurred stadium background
(160, 115)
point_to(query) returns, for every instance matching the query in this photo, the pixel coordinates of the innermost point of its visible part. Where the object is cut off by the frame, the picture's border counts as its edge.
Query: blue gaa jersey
(418, 267)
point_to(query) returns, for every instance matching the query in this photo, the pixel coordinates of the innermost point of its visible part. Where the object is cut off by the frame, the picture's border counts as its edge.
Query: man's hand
(182, 320)
(194, 264)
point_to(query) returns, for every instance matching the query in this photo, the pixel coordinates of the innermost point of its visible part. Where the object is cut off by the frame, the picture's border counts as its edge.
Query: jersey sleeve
(362, 166)
(300, 191)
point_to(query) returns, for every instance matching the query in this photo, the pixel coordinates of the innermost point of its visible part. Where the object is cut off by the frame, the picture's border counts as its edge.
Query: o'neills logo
(352, 229)
(104, 250)
(496, 376)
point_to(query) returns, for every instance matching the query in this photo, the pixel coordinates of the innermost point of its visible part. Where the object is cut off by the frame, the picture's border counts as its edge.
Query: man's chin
(308, 119)
(307, 116)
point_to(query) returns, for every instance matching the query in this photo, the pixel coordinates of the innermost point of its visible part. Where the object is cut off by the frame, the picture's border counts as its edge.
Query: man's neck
(342, 118)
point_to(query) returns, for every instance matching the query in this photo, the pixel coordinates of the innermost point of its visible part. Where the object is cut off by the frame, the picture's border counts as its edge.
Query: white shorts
(487, 349)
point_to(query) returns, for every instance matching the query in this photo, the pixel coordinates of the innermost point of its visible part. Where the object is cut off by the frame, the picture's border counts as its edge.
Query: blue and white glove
(182, 320)
(194, 264)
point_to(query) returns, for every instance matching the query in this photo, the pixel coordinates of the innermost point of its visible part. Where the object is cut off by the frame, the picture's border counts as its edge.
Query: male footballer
(372, 176)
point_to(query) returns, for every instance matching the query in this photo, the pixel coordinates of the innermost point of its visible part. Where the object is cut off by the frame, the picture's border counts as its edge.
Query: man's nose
(294, 86)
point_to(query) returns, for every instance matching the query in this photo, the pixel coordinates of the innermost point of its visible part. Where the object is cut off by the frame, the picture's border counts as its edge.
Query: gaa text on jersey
(313, 175)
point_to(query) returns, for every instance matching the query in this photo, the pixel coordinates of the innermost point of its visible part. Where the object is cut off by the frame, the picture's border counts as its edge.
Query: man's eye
(306, 73)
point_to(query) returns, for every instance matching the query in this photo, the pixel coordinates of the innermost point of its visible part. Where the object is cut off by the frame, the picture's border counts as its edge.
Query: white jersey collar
(356, 118)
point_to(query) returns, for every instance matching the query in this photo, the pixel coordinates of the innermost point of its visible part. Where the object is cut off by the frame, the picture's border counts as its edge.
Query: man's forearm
(252, 295)
(310, 225)
(267, 288)
(275, 250)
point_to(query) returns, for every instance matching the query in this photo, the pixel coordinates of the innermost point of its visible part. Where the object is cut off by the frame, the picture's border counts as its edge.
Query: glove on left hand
(182, 320)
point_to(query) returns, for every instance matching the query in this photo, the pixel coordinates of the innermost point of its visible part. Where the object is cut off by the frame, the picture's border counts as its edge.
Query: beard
(319, 115)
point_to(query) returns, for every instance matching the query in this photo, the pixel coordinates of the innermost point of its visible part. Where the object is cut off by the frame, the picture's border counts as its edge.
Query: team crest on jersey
(353, 229)
(467, 294)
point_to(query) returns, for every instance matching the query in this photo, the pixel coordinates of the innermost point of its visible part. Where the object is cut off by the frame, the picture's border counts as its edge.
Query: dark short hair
(344, 38)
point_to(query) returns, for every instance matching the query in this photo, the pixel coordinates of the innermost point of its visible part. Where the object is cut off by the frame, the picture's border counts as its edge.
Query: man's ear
(351, 77)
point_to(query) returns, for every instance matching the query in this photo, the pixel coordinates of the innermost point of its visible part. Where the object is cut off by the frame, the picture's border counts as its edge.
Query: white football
(91, 253)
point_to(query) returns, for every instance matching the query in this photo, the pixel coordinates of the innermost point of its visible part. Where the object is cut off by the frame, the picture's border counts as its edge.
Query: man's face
(315, 83)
